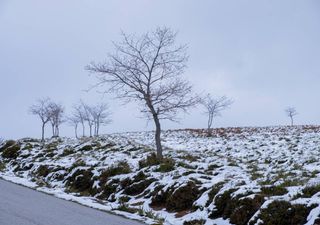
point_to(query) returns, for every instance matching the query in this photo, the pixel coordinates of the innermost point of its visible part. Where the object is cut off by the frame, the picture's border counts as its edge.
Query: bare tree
(56, 117)
(291, 112)
(41, 109)
(148, 69)
(87, 112)
(101, 116)
(74, 121)
(80, 114)
(214, 106)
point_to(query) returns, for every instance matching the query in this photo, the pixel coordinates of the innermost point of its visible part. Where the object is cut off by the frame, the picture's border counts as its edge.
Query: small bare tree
(101, 116)
(148, 69)
(74, 121)
(41, 109)
(87, 110)
(214, 106)
(291, 112)
(56, 117)
(80, 114)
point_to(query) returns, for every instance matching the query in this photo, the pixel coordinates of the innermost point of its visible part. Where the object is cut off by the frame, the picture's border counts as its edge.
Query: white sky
(264, 54)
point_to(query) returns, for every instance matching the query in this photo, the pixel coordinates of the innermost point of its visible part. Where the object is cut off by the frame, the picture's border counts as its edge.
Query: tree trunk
(42, 136)
(83, 129)
(53, 132)
(75, 131)
(291, 121)
(90, 129)
(158, 136)
(210, 120)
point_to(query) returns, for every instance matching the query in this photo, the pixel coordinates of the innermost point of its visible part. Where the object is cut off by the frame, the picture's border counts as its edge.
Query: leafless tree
(80, 114)
(147, 69)
(74, 121)
(56, 117)
(291, 112)
(41, 109)
(213, 108)
(101, 116)
(87, 110)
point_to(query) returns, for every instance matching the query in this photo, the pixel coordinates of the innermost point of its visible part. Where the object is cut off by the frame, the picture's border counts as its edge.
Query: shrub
(67, 151)
(274, 190)
(86, 148)
(194, 222)
(166, 165)
(121, 168)
(7, 144)
(43, 171)
(183, 197)
(309, 191)
(151, 160)
(213, 192)
(284, 213)
(245, 209)
(81, 181)
(11, 152)
(108, 189)
(137, 188)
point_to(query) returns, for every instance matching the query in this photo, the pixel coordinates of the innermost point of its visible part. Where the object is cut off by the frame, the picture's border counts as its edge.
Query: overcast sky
(264, 54)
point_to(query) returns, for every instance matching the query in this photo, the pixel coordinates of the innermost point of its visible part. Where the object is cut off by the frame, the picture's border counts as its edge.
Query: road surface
(23, 206)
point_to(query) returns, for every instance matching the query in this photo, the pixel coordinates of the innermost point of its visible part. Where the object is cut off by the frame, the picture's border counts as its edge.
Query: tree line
(147, 69)
(84, 115)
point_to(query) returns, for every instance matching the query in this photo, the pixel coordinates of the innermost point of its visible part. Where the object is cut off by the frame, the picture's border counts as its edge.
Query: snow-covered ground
(233, 177)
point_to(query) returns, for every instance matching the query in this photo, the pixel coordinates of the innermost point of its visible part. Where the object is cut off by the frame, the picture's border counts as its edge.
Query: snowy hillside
(239, 176)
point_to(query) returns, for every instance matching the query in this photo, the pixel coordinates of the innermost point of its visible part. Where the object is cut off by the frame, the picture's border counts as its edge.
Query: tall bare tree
(101, 116)
(291, 112)
(41, 109)
(56, 117)
(213, 108)
(148, 69)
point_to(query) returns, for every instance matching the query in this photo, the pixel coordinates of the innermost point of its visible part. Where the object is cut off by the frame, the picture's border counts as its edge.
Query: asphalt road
(23, 206)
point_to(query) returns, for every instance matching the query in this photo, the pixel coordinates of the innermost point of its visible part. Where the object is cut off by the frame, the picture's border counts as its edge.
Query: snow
(242, 158)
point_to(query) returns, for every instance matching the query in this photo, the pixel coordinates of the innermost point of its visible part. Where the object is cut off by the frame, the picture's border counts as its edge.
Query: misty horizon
(262, 55)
